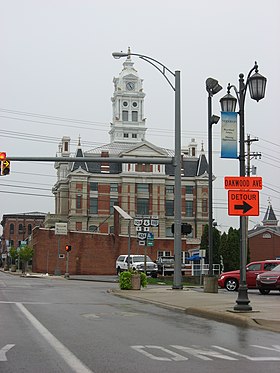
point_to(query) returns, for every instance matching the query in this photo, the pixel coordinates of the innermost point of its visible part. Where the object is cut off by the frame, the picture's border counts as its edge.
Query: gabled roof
(260, 229)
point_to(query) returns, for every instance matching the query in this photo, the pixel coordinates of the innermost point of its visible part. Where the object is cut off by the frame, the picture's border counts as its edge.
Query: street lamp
(177, 280)
(256, 84)
(212, 87)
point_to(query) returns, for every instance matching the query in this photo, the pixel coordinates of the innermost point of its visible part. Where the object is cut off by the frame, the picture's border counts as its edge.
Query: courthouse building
(85, 192)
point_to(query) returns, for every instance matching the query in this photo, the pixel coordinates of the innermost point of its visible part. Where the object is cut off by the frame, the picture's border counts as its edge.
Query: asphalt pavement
(194, 301)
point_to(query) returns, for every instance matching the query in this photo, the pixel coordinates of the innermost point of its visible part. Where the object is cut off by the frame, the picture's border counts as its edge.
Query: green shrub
(125, 279)
(144, 280)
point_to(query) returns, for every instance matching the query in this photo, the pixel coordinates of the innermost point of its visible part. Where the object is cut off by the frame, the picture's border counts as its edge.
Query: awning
(195, 257)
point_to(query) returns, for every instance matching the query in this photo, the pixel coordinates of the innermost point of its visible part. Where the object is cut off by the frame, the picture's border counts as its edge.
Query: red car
(269, 280)
(230, 280)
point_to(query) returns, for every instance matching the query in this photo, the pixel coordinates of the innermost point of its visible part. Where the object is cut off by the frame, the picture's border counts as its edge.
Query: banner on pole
(228, 134)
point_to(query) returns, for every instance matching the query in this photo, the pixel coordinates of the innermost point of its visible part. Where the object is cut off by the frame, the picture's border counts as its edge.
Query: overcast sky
(56, 72)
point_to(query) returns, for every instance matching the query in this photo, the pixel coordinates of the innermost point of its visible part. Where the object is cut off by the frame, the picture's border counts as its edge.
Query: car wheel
(154, 275)
(264, 291)
(231, 284)
(118, 270)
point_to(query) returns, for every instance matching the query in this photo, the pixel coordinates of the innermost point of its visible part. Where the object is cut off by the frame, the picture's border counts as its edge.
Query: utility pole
(248, 173)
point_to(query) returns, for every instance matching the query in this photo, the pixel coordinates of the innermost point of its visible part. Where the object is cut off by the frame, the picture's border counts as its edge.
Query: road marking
(174, 355)
(203, 354)
(3, 351)
(74, 363)
(258, 358)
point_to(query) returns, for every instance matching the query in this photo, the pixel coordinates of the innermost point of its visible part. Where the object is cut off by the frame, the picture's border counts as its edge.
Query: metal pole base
(66, 275)
(177, 287)
(242, 301)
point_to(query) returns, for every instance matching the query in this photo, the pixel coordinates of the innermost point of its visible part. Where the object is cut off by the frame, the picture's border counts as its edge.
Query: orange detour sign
(243, 203)
(243, 182)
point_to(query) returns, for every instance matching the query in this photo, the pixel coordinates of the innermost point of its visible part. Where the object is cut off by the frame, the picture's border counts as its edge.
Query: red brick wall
(262, 248)
(91, 254)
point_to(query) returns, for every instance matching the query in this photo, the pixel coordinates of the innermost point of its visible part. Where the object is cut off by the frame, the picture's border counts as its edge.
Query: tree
(13, 254)
(230, 250)
(25, 254)
(204, 244)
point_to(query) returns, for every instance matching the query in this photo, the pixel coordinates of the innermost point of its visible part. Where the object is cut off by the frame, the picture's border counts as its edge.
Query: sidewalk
(215, 306)
(219, 306)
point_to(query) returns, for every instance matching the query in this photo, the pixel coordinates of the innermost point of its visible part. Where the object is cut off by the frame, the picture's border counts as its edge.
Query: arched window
(12, 228)
(29, 229)
(20, 228)
(93, 228)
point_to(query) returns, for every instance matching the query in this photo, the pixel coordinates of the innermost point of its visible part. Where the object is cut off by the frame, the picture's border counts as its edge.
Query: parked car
(230, 280)
(269, 280)
(165, 265)
(137, 263)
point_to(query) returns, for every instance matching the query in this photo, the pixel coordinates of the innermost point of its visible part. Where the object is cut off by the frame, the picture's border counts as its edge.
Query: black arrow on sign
(245, 207)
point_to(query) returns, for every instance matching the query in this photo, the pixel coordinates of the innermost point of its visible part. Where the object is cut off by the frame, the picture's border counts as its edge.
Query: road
(54, 325)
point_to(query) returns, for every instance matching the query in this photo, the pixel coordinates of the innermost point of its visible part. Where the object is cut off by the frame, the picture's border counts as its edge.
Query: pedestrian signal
(68, 248)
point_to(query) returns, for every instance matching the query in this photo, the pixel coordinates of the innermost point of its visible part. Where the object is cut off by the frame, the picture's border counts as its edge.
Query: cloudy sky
(56, 72)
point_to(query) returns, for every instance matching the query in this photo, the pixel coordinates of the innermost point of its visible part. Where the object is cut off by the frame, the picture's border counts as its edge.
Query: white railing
(196, 269)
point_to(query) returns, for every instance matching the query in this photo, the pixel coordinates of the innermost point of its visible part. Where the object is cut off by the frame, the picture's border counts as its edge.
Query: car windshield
(276, 269)
(141, 258)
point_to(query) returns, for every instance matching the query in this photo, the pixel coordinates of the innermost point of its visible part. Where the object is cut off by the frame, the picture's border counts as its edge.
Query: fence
(196, 269)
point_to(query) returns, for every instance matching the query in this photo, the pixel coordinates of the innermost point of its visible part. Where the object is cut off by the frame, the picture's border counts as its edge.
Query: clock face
(130, 86)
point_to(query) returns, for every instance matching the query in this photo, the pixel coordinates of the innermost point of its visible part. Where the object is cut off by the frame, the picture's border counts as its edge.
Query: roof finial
(79, 140)
(128, 52)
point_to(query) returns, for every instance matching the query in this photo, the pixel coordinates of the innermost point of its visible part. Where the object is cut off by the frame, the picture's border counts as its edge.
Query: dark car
(269, 281)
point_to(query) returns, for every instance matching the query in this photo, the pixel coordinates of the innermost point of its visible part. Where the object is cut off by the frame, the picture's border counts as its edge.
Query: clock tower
(128, 123)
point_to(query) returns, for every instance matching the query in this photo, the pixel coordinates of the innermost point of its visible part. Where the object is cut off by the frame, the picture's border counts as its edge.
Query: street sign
(61, 229)
(243, 203)
(138, 222)
(243, 182)
(141, 235)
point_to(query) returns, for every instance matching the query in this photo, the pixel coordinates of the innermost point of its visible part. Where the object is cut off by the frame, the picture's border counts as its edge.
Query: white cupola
(128, 123)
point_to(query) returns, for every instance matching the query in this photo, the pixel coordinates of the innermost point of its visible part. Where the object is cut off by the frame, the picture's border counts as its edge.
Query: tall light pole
(256, 84)
(212, 87)
(177, 280)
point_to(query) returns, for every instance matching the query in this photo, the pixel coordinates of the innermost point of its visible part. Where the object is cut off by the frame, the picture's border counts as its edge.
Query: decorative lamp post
(212, 87)
(257, 85)
(177, 280)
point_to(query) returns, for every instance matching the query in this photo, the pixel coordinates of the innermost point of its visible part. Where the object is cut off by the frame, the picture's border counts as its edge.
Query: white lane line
(74, 363)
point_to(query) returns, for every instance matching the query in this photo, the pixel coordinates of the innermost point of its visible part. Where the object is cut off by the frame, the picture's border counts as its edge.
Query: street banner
(228, 134)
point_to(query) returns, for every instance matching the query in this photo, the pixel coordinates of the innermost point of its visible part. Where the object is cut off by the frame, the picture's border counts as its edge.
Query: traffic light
(68, 248)
(186, 228)
(2, 156)
(5, 167)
